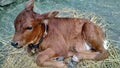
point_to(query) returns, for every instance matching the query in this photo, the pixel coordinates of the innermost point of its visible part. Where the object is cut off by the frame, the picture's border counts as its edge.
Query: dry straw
(18, 58)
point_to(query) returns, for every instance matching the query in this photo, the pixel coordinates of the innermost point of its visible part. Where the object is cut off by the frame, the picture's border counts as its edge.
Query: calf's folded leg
(43, 59)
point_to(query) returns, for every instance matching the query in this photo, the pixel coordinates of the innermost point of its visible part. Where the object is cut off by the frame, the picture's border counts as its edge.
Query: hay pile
(18, 58)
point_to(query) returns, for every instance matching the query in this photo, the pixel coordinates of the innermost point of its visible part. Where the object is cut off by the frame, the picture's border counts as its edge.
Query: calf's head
(29, 26)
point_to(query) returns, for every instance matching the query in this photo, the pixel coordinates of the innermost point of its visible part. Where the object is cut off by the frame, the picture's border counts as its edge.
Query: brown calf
(56, 36)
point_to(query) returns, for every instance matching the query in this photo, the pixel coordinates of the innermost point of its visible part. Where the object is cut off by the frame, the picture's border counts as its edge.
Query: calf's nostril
(14, 44)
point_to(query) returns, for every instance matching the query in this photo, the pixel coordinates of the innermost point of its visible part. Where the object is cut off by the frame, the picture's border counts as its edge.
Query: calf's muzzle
(14, 44)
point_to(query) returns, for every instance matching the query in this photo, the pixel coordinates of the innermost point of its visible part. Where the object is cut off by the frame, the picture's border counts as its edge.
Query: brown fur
(65, 36)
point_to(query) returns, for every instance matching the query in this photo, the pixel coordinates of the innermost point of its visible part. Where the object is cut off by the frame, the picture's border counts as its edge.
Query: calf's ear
(29, 5)
(52, 14)
(47, 15)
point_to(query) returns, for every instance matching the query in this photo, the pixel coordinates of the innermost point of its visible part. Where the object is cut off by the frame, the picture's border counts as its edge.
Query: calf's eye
(29, 28)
